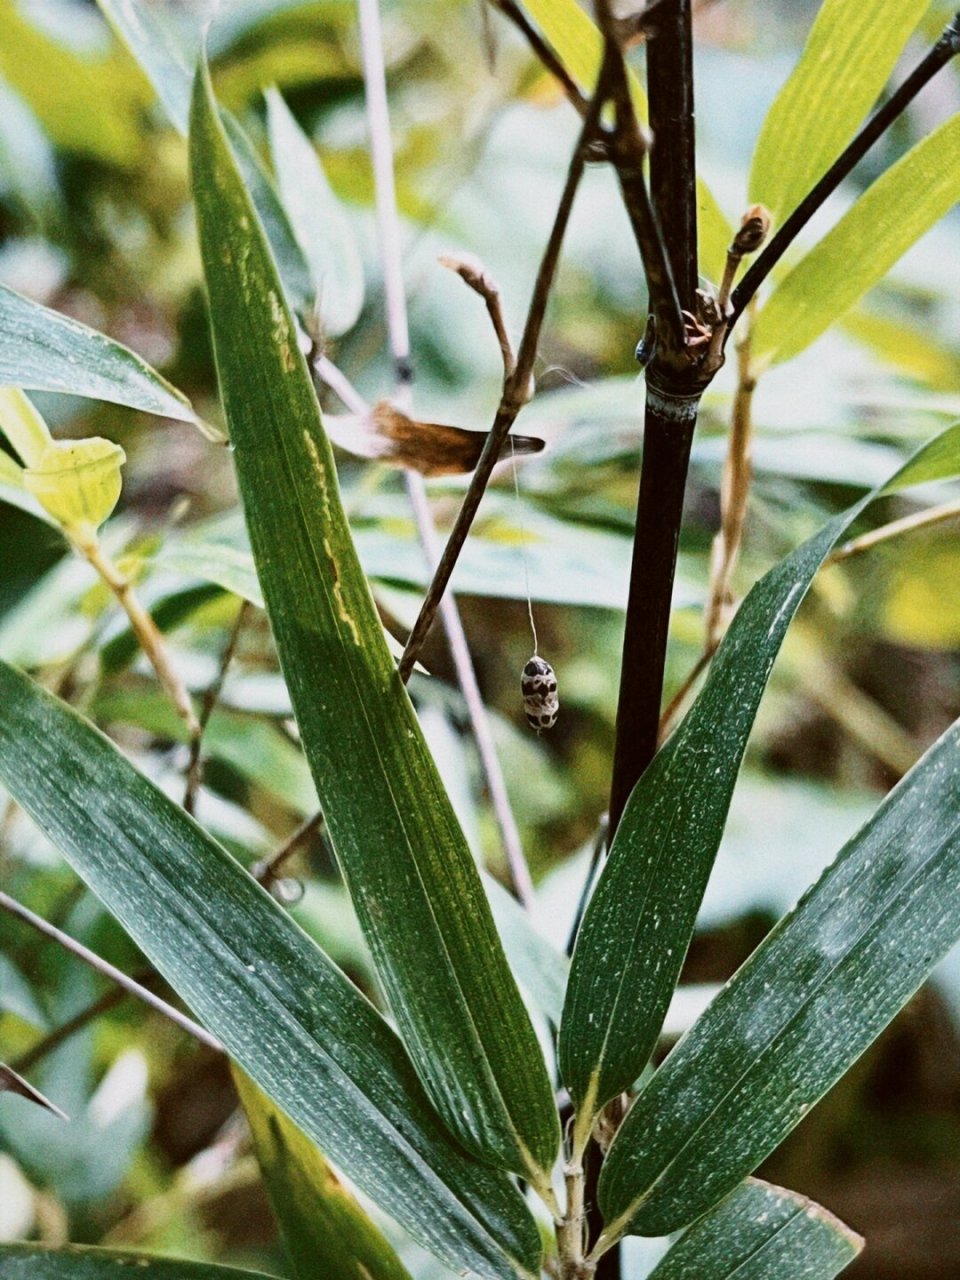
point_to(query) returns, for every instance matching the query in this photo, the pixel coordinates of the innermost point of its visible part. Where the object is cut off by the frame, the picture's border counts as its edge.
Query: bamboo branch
(266, 871)
(210, 700)
(673, 393)
(547, 57)
(101, 966)
(518, 389)
(673, 389)
(627, 149)
(946, 48)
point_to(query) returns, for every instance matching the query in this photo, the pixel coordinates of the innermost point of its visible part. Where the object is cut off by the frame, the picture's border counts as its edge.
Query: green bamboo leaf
(540, 968)
(798, 1014)
(893, 214)
(151, 44)
(325, 1231)
(285, 1013)
(850, 53)
(640, 920)
(576, 40)
(762, 1232)
(319, 222)
(404, 857)
(138, 27)
(33, 1262)
(42, 350)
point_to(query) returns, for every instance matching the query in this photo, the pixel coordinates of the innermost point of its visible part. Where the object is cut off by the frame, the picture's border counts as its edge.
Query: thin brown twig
(547, 57)
(109, 1000)
(210, 699)
(266, 871)
(518, 389)
(473, 273)
(104, 967)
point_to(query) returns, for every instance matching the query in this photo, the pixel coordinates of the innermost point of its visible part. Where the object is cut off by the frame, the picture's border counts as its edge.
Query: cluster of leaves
(431, 1120)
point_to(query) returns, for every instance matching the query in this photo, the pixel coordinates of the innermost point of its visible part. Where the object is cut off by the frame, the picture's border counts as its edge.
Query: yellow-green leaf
(852, 48)
(323, 1227)
(893, 214)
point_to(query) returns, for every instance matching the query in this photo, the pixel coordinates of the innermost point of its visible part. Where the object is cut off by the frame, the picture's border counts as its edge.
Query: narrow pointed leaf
(325, 1231)
(850, 53)
(903, 204)
(319, 222)
(804, 1007)
(73, 1262)
(403, 854)
(283, 1011)
(762, 1232)
(640, 920)
(42, 350)
(576, 40)
(150, 43)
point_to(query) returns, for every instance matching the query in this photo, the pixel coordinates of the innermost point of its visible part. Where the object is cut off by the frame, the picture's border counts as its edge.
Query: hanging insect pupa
(538, 684)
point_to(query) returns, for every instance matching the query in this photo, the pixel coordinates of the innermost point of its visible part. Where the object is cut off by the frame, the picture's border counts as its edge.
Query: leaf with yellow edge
(325, 1230)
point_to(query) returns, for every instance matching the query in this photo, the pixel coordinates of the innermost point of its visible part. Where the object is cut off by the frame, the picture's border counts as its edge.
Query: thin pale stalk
(146, 631)
(734, 495)
(906, 524)
(104, 967)
(388, 222)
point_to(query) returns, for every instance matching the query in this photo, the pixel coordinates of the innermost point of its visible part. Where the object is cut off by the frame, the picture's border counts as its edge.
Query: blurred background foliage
(95, 221)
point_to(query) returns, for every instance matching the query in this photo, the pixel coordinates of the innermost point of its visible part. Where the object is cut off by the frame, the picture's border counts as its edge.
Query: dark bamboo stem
(670, 414)
(666, 453)
(673, 157)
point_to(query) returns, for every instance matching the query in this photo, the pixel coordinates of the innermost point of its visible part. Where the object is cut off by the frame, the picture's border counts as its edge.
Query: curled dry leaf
(432, 448)
(10, 1082)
